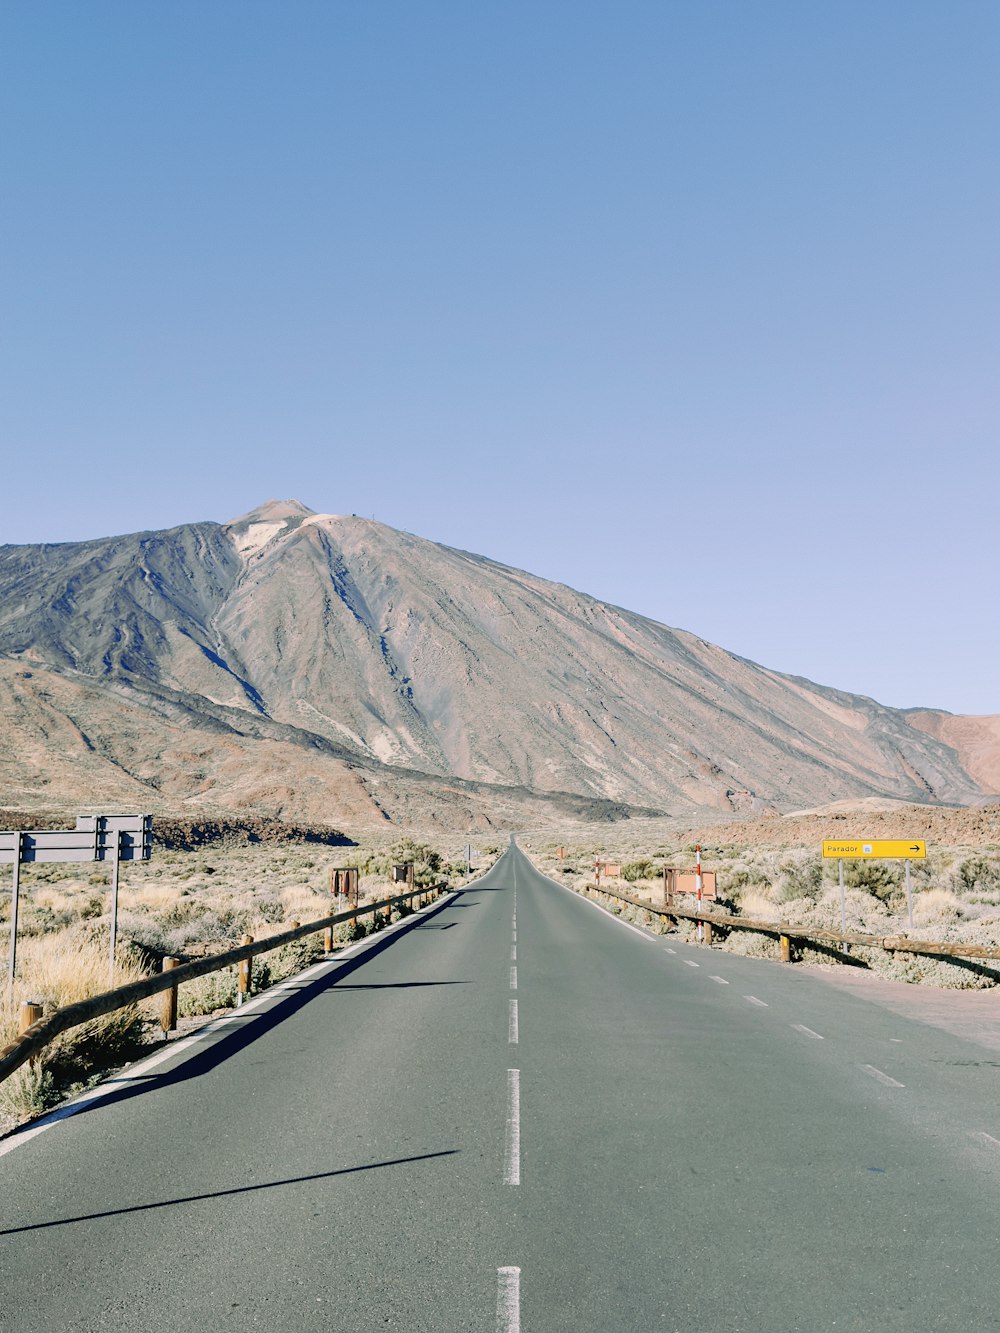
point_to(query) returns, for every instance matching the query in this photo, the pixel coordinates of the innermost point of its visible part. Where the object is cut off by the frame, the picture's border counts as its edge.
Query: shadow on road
(224, 1194)
(241, 1031)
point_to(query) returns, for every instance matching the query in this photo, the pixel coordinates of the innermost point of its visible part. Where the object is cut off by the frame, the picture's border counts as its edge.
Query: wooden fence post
(168, 1005)
(31, 1012)
(245, 974)
(328, 940)
(786, 948)
(708, 933)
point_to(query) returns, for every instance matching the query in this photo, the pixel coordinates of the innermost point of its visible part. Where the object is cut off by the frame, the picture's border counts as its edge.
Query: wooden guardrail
(786, 931)
(46, 1029)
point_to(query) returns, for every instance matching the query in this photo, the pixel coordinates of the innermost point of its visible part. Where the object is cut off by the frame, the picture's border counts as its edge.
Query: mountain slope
(384, 654)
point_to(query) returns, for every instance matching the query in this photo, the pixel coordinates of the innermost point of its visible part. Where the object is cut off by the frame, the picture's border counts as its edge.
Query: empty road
(514, 1112)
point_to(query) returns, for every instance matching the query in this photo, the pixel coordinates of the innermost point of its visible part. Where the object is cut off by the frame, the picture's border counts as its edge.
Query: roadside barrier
(39, 1032)
(785, 932)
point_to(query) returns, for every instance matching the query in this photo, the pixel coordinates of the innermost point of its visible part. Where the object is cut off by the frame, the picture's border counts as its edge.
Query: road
(516, 1112)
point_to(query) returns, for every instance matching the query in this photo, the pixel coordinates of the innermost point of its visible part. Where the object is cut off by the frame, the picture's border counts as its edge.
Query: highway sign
(875, 849)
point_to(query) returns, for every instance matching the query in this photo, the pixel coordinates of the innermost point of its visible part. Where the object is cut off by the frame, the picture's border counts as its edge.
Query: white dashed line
(512, 1023)
(513, 953)
(669, 950)
(752, 999)
(807, 1032)
(512, 1153)
(882, 1078)
(513, 978)
(508, 1300)
(721, 980)
(691, 963)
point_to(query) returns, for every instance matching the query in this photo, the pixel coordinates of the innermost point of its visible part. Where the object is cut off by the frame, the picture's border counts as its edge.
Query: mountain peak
(272, 511)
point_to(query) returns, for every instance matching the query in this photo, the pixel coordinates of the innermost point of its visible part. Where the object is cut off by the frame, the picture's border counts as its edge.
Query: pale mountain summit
(314, 658)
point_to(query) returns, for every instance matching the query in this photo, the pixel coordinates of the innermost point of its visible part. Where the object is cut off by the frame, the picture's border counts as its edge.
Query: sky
(690, 305)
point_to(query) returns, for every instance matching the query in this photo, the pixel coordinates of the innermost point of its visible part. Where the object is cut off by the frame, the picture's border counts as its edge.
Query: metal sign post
(113, 838)
(875, 849)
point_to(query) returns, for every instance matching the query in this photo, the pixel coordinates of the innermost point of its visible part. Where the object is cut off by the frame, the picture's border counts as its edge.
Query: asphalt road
(517, 1113)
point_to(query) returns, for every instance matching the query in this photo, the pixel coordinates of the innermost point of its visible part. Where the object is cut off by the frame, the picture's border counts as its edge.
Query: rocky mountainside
(315, 666)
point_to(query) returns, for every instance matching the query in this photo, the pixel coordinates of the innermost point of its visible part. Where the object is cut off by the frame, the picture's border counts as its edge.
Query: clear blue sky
(693, 306)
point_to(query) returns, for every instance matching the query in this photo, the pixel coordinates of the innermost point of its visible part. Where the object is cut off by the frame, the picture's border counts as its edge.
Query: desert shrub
(636, 870)
(980, 874)
(882, 879)
(204, 995)
(800, 878)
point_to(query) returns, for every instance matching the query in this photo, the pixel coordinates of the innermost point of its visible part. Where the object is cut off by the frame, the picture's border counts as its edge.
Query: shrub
(979, 874)
(636, 870)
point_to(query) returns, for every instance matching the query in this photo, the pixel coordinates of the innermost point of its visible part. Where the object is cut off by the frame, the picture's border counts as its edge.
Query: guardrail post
(245, 975)
(328, 940)
(31, 1012)
(708, 933)
(786, 948)
(168, 1005)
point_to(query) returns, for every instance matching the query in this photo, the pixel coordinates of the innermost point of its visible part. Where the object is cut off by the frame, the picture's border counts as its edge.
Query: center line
(512, 1153)
(669, 950)
(508, 1300)
(513, 978)
(753, 1000)
(721, 980)
(512, 1023)
(807, 1032)
(690, 962)
(513, 953)
(882, 1078)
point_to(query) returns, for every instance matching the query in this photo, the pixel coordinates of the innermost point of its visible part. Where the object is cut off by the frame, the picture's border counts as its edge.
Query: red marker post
(697, 888)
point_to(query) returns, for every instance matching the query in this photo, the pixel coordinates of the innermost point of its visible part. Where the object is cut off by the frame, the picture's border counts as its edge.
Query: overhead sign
(876, 850)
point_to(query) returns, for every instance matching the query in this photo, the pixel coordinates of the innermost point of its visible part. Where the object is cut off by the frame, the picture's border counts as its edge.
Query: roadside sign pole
(115, 861)
(843, 902)
(909, 896)
(14, 896)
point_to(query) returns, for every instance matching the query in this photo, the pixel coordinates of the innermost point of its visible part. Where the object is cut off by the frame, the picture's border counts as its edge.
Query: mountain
(305, 665)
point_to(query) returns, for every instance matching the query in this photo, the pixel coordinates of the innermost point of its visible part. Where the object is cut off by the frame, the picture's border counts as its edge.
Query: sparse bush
(979, 874)
(636, 870)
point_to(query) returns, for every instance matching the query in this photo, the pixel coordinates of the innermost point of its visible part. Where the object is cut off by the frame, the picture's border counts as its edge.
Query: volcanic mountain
(319, 666)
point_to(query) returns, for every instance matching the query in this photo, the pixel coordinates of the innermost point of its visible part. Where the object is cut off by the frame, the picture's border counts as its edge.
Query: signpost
(113, 838)
(875, 849)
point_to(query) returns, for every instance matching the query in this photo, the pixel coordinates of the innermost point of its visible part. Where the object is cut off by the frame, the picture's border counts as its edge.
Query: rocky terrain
(329, 669)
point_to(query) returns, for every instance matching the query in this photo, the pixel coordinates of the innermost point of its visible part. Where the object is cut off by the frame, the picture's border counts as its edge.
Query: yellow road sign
(891, 850)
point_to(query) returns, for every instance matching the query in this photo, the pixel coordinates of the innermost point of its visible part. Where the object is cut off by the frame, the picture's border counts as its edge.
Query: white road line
(512, 1151)
(512, 1023)
(669, 950)
(988, 1139)
(604, 912)
(513, 978)
(721, 980)
(807, 1032)
(137, 1072)
(513, 953)
(882, 1078)
(689, 962)
(508, 1300)
(752, 999)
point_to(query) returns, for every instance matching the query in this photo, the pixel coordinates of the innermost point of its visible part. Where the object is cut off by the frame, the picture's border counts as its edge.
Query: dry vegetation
(772, 869)
(183, 904)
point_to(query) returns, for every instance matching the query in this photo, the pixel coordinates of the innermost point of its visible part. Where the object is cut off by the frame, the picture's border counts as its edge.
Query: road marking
(988, 1139)
(807, 1032)
(513, 978)
(513, 953)
(882, 1078)
(669, 950)
(512, 1151)
(689, 962)
(512, 1023)
(721, 980)
(508, 1300)
(752, 999)
(135, 1073)
(604, 912)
